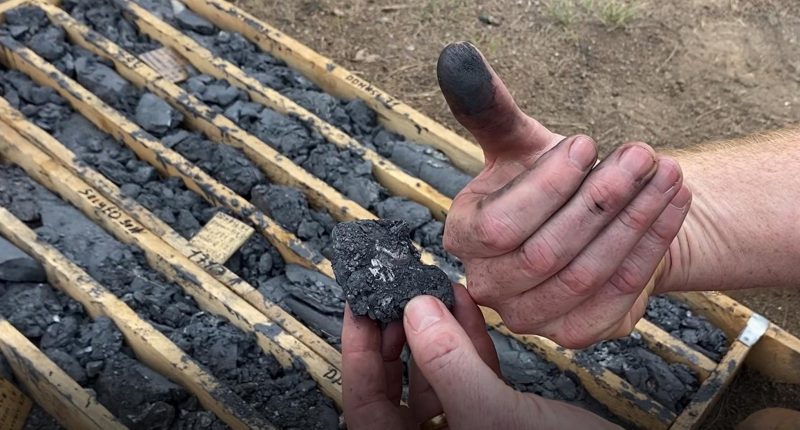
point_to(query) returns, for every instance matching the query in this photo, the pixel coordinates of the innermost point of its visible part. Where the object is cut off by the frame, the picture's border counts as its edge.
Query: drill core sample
(379, 269)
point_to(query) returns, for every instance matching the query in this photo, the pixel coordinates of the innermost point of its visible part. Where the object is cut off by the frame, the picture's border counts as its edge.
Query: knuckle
(577, 280)
(555, 188)
(441, 349)
(627, 280)
(602, 197)
(492, 232)
(540, 258)
(635, 219)
(662, 234)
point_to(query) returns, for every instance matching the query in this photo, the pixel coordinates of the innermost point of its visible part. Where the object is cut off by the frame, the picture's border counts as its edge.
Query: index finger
(365, 387)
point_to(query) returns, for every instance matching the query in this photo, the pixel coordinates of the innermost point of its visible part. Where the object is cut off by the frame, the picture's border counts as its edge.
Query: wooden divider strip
(201, 117)
(14, 406)
(211, 295)
(388, 174)
(150, 345)
(776, 355)
(664, 344)
(106, 188)
(711, 390)
(334, 79)
(9, 5)
(622, 399)
(51, 387)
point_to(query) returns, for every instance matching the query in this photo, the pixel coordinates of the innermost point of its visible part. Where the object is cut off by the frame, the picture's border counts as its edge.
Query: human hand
(558, 248)
(454, 370)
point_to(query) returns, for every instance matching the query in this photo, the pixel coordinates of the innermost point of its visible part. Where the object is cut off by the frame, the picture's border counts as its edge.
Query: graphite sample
(379, 269)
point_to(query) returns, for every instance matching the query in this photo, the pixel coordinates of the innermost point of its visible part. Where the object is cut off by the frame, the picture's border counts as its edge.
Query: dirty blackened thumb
(449, 361)
(465, 79)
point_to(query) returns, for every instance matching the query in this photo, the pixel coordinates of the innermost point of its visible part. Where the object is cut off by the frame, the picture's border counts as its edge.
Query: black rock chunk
(136, 394)
(431, 166)
(156, 115)
(5, 369)
(16, 266)
(413, 213)
(189, 20)
(379, 269)
(315, 298)
(102, 80)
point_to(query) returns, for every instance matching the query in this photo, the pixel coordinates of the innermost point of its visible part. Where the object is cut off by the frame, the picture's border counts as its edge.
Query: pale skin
(566, 250)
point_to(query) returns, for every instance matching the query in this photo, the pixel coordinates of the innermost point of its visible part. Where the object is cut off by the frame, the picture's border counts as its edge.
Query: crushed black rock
(17, 266)
(156, 115)
(345, 170)
(670, 384)
(527, 372)
(39, 419)
(379, 268)
(5, 368)
(123, 270)
(694, 330)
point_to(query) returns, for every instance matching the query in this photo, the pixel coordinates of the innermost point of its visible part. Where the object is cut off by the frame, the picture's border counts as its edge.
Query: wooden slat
(776, 355)
(622, 399)
(53, 390)
(217, 127)
(149, 149)
(710, 392)
(150, 345)
(221, 237)
(8, 5)
(388, 174)
(674, 350)
(103, 186)
(210, 294)
(334, 79)
(14, 406)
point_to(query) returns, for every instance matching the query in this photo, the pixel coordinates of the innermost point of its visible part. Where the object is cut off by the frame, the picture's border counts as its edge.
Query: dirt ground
(673, 75)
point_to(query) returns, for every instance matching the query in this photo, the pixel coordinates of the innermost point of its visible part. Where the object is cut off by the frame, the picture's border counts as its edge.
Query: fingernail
(666, 176)
(681, 200)
(636, 160)
(582, 152)
(422, 312)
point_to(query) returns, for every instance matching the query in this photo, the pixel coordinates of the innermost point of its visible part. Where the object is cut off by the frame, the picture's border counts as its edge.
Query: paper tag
(14, 406)
(221, 237)
(168, 64)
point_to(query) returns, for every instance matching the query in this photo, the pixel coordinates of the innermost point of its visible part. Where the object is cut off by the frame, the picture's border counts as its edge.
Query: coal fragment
(379, 269)
(16, 266)
(156, 115)
(189, 20)
(102, 80)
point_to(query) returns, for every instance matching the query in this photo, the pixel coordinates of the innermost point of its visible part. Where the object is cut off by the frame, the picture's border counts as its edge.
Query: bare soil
(673, 74)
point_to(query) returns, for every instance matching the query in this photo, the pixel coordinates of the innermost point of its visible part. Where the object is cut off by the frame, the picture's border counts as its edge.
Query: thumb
(467, 387)
(481, 102)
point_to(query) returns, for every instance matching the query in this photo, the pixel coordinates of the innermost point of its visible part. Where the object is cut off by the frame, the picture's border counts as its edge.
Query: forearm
(743, 228)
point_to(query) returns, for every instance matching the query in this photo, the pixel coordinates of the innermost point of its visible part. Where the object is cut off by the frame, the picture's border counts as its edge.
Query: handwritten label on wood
(14, 406)
(168, 64)
(221, 237)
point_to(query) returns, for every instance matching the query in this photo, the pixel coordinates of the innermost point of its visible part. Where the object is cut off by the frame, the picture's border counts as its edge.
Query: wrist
(692, 261)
